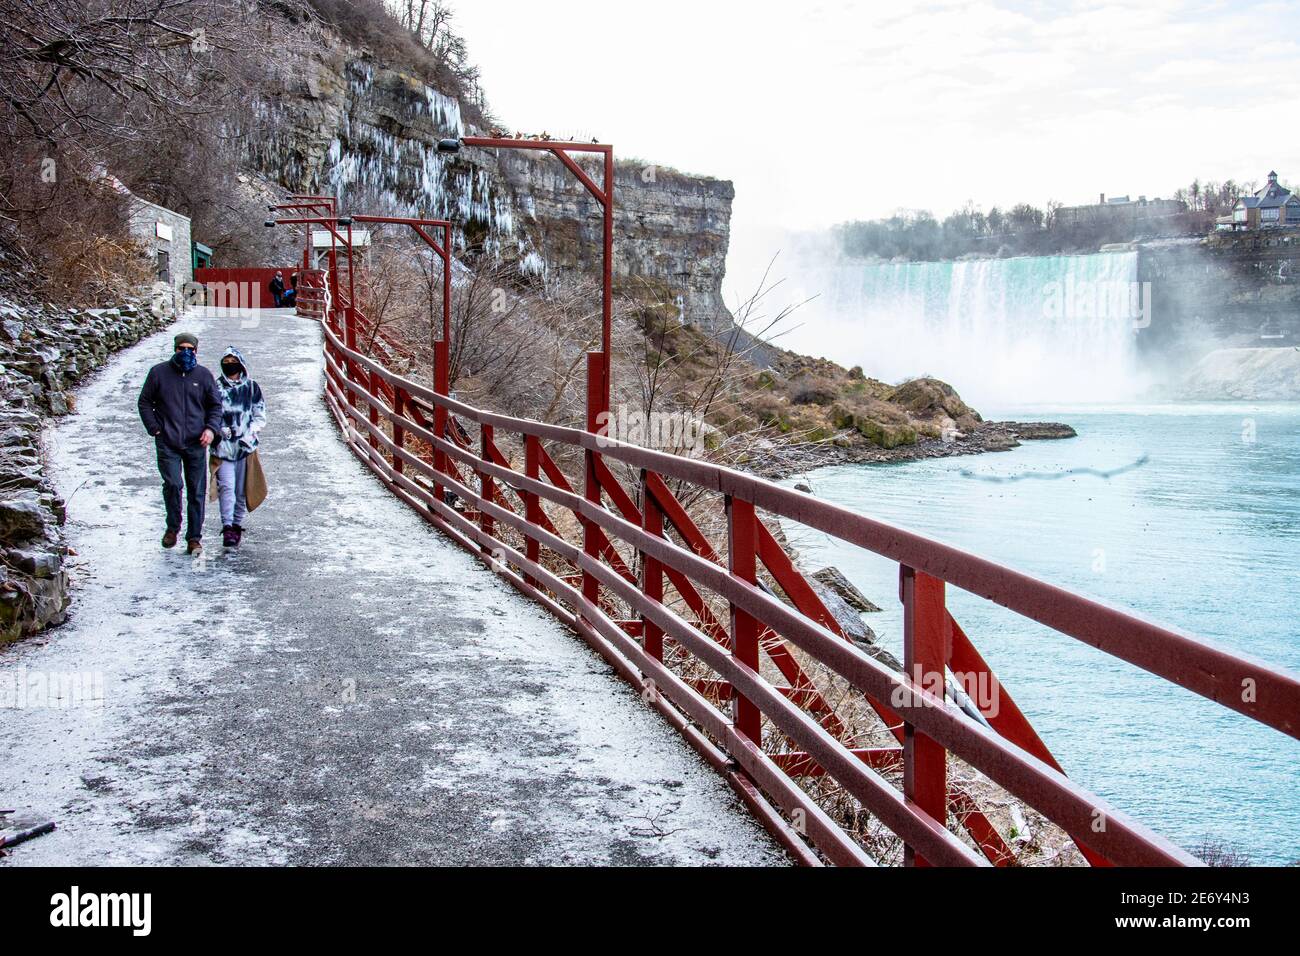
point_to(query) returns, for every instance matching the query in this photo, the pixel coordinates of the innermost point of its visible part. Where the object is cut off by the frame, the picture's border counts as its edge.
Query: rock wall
(1252, 375)
(44, 351)
(1226, 290)
(342, 123)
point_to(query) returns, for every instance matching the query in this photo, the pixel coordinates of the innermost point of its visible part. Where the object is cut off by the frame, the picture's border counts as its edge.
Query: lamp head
(449, 145)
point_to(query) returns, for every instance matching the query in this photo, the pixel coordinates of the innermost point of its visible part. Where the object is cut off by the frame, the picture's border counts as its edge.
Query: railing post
(349, 331)
(652, 572)
(487, 485)
(742, 550)
(399, 433)
(532, 503)
(927, 646)
(591, 484)
(372, 391)
(440, 385)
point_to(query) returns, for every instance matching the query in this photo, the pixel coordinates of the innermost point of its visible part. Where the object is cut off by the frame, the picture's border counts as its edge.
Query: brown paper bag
(213, 464)
(254, 480)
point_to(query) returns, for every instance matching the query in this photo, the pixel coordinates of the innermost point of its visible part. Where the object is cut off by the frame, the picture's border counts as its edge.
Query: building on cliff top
(1272, 207)
(1120, 208)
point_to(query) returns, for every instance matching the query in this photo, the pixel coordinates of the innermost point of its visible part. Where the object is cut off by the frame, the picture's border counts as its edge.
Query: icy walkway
(348, 688)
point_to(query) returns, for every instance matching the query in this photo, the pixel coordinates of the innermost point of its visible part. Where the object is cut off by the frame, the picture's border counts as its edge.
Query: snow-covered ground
(347, 688)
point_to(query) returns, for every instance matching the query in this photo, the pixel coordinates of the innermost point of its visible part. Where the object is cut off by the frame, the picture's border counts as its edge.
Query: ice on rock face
(380, 154)
(532, 264)
(445, 111)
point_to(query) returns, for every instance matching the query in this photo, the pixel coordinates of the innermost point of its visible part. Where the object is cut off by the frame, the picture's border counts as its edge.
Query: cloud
(842, 110)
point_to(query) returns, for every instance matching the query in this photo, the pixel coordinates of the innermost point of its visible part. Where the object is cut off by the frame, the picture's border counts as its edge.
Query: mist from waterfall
(1004, 332)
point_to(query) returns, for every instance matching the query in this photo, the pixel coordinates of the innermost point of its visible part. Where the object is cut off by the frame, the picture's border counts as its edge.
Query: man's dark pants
(192, 464)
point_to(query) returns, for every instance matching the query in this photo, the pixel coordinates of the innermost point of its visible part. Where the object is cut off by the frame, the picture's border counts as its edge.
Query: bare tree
(154, 92)
(517, 345)
(105, 70)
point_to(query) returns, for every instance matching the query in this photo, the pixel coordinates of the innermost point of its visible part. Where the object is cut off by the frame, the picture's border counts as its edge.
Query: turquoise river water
(1187, 514)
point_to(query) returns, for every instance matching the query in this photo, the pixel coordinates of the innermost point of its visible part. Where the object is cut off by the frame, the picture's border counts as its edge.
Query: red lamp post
(331, 223)
(599, 365)
(442, 348)
(598, 391)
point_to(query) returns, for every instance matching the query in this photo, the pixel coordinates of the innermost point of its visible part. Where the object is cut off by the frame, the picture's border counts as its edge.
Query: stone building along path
(347, 688)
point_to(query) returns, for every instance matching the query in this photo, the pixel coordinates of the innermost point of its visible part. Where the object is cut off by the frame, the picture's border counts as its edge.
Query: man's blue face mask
(185, 359)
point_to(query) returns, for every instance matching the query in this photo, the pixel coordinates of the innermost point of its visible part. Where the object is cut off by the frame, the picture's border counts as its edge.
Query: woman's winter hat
(185, 338)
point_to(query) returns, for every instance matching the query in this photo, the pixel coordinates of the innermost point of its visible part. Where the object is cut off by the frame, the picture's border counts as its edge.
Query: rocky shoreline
(983, 438)
(45, 350)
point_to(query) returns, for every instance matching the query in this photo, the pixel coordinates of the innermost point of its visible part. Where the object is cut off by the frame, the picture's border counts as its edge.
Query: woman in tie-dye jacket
(243, 413)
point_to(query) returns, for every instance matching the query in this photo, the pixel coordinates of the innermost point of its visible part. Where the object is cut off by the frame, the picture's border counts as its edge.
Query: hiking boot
(169, 539)
(239, 533)
(229, 537)
(193, 546)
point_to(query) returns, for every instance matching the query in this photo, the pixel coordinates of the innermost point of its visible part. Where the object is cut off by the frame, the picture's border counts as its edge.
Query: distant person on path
(180, 406)
(276, 285)
(243, 414)
(291, 296)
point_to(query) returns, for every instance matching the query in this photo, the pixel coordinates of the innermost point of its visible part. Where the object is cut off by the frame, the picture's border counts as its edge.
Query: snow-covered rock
(44, 351)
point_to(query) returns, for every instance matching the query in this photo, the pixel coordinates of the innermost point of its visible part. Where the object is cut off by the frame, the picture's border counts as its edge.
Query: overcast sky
(828, 111)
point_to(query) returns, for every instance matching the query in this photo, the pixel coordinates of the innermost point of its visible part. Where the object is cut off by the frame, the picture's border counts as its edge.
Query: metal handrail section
(364, 396)
(312, 299)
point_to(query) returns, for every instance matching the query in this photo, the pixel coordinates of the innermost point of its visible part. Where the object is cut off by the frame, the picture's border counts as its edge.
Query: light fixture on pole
(604, 194)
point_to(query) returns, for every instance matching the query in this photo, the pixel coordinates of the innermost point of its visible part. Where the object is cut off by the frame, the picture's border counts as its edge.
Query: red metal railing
(747, 686)
(312, 298)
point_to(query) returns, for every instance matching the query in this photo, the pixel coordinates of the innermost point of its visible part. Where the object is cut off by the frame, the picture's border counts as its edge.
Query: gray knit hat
(186, 338)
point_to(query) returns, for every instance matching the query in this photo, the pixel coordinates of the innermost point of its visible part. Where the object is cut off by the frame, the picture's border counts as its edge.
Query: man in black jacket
(180, 406)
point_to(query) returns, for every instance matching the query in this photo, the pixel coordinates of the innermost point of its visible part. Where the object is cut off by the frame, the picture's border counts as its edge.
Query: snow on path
(348, 688)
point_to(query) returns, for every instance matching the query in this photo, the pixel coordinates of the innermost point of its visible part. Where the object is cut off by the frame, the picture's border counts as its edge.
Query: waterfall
(1003, 332)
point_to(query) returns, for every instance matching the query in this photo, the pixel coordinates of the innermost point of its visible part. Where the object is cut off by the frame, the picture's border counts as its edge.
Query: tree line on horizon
(1025, 229)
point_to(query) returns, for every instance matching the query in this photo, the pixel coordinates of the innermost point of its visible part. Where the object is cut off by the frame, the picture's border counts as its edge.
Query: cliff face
(1240, 290)
(341, 123)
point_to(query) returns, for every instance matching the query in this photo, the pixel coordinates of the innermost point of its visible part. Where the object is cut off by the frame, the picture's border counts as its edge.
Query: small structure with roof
(202, 256)
(163, 233)
(1272, 207)
(322, 241)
